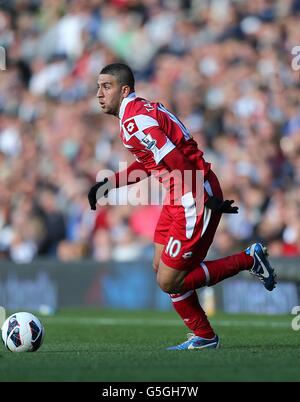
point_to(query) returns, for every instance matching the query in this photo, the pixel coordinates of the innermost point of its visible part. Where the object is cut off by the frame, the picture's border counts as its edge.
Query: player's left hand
(223, 207)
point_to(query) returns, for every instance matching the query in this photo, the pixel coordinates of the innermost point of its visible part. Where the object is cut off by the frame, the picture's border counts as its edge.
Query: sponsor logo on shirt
(150, 143)
(131, 126)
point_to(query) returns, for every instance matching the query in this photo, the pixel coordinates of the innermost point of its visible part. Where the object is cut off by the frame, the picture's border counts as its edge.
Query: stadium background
(224, 67)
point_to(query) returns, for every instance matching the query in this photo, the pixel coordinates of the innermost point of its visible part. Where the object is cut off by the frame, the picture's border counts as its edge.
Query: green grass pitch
(108, 345)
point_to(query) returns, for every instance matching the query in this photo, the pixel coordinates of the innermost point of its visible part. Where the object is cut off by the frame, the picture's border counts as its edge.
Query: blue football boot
(196, 342)
(261, 266)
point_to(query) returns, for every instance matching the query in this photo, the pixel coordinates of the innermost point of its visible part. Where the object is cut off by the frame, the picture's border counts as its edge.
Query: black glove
(223, 207)
(92, 196)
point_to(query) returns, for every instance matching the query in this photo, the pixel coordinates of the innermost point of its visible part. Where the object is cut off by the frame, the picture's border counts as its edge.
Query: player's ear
(125, 91)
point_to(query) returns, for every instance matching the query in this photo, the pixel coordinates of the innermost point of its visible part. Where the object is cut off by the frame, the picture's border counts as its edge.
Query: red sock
(211, 272)
(188, 307)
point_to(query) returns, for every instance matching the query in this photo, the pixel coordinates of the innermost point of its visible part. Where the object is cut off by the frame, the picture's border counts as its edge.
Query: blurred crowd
(223, 66)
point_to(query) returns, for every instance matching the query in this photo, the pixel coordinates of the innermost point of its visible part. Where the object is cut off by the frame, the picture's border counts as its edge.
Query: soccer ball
(22, 332)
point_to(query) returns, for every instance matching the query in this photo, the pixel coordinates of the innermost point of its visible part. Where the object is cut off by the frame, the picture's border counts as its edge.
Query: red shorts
(187, 236)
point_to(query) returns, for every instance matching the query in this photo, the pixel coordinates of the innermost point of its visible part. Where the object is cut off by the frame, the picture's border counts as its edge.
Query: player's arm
(119, 179)
(125, 178)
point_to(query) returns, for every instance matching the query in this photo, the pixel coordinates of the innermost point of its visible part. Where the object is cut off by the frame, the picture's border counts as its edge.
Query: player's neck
(131, 96)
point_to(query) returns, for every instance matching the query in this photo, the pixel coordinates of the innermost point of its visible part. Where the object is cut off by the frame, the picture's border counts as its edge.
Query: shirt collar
(125, 102)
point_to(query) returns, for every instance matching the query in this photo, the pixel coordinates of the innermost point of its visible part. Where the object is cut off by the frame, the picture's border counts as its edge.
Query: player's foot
(196, 342)
(261, 266)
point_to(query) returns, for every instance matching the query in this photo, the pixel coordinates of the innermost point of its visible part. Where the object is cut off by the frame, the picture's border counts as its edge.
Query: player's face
(110, 94)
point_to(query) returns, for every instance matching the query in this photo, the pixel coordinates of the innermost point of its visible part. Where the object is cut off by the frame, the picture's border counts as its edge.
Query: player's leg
(169, 279)
(208, 273)
(187, 304)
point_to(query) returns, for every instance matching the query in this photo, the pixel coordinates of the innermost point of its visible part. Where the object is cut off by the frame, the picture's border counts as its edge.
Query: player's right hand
(94, 195)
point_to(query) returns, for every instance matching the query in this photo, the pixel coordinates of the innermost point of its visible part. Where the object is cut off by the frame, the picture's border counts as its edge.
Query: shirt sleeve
(122, 178)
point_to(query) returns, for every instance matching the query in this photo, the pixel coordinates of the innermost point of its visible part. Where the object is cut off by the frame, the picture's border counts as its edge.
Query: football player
(161, 145)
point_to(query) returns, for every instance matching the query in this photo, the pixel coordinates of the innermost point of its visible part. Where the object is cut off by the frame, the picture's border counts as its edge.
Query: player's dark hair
(122, 72)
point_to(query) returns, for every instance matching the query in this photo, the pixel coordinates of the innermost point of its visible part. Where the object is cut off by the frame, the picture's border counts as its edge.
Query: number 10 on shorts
(173, 247)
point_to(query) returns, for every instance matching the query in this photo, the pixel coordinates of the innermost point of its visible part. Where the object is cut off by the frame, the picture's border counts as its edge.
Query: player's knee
(167, 285)
(169, 279)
